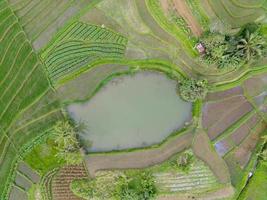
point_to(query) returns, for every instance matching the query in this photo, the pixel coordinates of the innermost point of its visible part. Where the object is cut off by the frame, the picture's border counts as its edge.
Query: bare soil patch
(227, 120)
(204, 151)
(212, 112)
(215, 96)
(140, 158)
(185, 12)
(245, 150)
(243, 131)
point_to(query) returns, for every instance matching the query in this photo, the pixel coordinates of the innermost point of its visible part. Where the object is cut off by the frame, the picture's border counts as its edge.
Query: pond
(131, 112)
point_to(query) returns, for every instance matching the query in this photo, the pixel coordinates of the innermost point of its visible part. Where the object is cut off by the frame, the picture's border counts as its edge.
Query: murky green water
(132, 111)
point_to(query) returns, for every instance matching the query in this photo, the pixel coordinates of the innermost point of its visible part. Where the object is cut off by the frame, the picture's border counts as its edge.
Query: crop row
(46, 184)
(198, 177)
(81, 31)
(73, 55)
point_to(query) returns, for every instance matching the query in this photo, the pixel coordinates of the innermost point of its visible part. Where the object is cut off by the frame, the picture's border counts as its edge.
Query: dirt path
(185, 12)
(204, 151)
(141, 158)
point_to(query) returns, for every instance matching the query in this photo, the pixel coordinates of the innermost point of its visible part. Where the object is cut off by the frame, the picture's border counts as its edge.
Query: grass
(157, 13)
(43, 158)
(257, 187)
(32, 192)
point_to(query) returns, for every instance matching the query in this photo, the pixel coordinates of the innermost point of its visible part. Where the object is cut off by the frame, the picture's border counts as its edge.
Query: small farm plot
(231, 108)
(17, 193)
(80, 46)
(238, 158)
(236, 134)
(199, 179)
(28, 172)
(256, 91)
(63, 178)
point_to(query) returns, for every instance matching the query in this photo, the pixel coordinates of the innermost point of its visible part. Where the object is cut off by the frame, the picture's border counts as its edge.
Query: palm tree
(251, 45)
(65, 136)
(67, 143)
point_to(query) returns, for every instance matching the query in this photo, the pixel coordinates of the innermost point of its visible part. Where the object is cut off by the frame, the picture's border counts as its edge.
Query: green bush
(83, 188)
(137, 186)
(183, 162)
(192, 90)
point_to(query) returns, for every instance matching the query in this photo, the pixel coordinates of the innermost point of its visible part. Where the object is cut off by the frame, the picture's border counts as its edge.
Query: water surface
(132, 111)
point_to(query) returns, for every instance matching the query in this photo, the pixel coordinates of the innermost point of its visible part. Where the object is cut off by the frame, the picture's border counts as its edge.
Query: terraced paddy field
(93, 99)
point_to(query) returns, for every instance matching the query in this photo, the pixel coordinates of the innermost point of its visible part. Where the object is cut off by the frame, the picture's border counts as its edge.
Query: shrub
(183, 162)
(137, 186)
(83, 188)
(192, 89)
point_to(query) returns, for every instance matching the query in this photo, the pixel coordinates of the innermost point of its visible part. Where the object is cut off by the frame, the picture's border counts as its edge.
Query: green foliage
(43, 158)
(233, 51)
(132, 185)
(192, 89)
(32, 193)
(137, 186)
(83, 188)
(183, 162)
(67, 143)
(257, 187)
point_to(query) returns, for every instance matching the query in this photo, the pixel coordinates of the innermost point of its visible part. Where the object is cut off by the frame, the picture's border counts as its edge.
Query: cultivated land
(55, 53)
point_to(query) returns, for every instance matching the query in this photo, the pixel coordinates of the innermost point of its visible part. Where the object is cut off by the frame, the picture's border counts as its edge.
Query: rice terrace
(133, 99)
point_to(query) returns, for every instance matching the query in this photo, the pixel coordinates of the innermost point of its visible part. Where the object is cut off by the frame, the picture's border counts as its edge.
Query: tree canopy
(193, 89)
(233, 51)
(67, 143)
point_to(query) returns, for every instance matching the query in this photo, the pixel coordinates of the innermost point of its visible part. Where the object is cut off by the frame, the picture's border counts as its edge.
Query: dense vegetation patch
(133, 185)
(233, 51)
(193, 89)
(67, 143)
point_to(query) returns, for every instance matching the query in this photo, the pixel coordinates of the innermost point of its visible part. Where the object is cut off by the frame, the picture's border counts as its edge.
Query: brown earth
(215, 96)
(243, 131)
(246, 148)
(215, 111)
(227, 120)
(204, 151)
(63, 178)
(185, 12)
(140, 158)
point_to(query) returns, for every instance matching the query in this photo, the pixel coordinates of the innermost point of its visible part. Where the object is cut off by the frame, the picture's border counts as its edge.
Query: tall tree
(251, 45)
